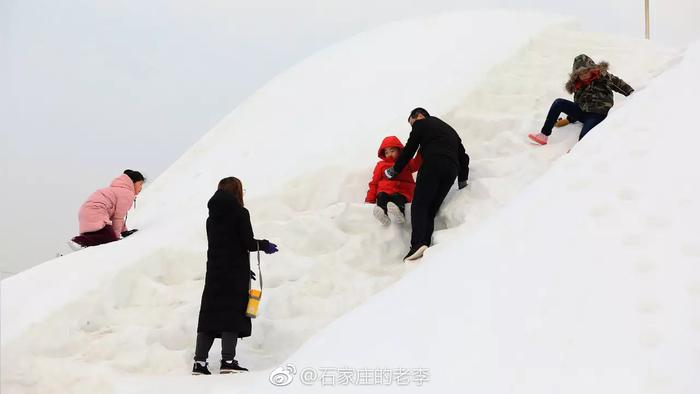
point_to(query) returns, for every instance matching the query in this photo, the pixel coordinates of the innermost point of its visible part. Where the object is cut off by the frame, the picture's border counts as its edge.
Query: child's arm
(620, 86)
(124, 202)
(373, 184)
(415, 163)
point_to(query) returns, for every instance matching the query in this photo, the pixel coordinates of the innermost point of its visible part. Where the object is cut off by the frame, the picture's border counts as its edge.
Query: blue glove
(461, 184)
(270, 248)
(390, 172)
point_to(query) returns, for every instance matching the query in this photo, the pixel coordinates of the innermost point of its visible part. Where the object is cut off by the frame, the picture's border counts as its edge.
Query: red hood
(389, 142)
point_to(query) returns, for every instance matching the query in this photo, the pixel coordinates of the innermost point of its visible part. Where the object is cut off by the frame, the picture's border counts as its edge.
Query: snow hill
(551, 272)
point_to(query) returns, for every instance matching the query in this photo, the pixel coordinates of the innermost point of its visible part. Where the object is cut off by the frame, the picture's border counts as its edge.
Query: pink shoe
(539, 138)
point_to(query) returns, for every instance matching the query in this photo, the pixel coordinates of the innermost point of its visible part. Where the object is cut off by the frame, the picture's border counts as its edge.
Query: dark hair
(234, 186)
(135, 176)
(418, 111)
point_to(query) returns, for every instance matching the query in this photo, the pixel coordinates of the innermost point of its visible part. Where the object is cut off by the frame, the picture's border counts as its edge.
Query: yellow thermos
(253, 303)
(254, 295)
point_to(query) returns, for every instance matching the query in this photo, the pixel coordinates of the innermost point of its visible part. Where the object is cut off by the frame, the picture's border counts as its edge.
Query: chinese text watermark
(348, 376)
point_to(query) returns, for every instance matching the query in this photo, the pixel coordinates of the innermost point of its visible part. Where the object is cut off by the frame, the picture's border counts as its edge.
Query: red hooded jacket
(402, 183)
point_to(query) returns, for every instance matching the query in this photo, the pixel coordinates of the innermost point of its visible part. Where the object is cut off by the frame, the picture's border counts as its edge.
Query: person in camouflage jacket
(592, 86)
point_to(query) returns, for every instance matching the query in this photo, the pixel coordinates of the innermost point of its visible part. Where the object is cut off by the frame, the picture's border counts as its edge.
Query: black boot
(231, 366)
(415, 253)
(199, 369)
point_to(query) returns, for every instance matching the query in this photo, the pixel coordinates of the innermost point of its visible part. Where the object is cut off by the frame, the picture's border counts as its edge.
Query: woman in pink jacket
(103, 216)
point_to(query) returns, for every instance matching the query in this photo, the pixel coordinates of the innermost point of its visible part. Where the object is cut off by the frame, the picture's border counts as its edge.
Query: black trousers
(99, 237)
(397, 198)
(205, 340)
(435, 178)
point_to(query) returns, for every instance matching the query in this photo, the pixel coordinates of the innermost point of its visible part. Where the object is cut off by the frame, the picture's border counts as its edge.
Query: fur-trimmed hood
(583, 63)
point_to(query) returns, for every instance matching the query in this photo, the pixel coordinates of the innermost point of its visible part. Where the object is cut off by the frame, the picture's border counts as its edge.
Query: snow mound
(114, 316)
(588, 281)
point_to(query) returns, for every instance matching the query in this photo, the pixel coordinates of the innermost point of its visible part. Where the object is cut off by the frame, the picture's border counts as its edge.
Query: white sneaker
(380, 215)
(395, 213)
(74, 245)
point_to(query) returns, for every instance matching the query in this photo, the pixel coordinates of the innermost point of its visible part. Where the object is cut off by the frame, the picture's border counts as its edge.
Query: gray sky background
(89, 88)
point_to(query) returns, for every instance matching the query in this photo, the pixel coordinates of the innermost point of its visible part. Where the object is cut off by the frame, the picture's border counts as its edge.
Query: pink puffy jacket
(108, 206)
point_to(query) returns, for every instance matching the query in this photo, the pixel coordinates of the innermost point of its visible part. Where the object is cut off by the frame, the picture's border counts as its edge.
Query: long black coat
(227, 282)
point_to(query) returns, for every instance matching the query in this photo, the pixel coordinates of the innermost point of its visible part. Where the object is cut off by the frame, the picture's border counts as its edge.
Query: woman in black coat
(223, 310)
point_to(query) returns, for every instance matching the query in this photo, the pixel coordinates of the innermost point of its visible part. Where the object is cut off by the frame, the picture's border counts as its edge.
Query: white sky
(89, 88)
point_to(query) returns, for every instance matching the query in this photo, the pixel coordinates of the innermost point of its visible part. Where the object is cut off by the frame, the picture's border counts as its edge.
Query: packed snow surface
(551, 272)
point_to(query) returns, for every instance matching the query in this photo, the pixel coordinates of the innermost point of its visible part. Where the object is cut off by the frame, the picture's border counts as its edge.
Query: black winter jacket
(435, 138)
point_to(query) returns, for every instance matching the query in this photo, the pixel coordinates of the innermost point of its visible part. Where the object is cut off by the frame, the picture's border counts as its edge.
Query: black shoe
(231, 367)
(199, 369)
(415, 253)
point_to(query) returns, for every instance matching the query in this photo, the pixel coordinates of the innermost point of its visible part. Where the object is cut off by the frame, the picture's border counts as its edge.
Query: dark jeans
(574, 112)
(435, 178)
(205, 340)
(397, 198)
(99, 237)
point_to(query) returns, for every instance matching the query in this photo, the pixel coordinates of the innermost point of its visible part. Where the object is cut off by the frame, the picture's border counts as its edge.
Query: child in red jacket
(391, 195)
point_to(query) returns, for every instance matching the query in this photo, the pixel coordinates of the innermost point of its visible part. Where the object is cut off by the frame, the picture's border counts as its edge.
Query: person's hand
(270, 248)
(461, 184)
(390, 172)
(252, 275)
(127, 233)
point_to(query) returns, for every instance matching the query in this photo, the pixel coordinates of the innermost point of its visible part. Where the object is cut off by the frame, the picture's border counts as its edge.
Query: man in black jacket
(444, 159)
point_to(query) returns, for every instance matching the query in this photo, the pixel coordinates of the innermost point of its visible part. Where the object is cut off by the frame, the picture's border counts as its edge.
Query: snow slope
(312, 108)
(588, 282)
(114, 316)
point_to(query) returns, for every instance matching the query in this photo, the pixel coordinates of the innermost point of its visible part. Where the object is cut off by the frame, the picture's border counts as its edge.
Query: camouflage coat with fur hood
(597, 94)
